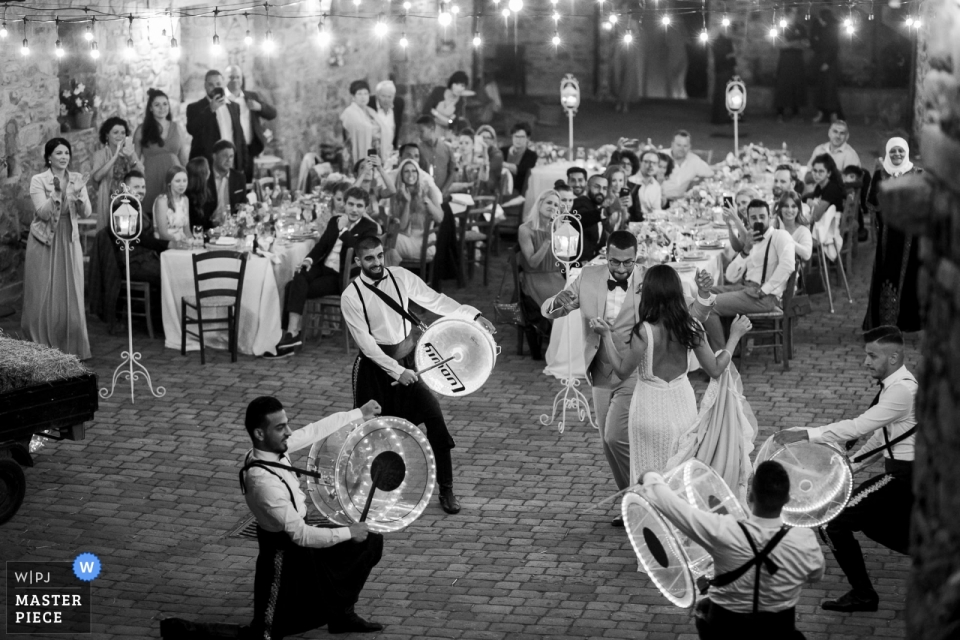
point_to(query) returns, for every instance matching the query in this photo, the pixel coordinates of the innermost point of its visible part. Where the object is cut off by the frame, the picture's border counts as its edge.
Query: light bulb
(773, 32)
(58, 49)
(783, 23)
(850, 29)
(269, 46)
(129, 51)
(556, 17)
(613, 18)
(704, 36)
(248, 39)
(445, 19)
(666, 21)
(556, 39)
(505, 13)
(87, 34)
(607, 26)
(215, 48)
(323, 38)
(356, 3)
(174, 49)
(627, 37)
(916, 22)
(725, 22)
(909, 22)
(25, 49)
(476, 40)
(404, 43)
(406, 6)
(846, 22)
(94, 50)
(380, 29)
(455, 10)
(515, 5)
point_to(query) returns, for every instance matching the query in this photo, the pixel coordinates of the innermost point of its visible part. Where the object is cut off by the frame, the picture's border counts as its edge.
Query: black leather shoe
(449, 502)
(618, 521)
(352, 623)
(852, 601)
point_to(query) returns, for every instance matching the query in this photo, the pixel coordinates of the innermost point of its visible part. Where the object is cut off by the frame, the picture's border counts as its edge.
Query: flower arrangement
(78, 99)
(254, 218)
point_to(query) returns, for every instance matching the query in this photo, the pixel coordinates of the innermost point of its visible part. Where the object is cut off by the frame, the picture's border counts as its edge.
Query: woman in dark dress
(893, 287)
(791, 90)
(829, 189)
(825, 42)
(725, 67)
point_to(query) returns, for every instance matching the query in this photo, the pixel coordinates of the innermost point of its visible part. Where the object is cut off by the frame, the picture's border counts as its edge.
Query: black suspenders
(760, 557)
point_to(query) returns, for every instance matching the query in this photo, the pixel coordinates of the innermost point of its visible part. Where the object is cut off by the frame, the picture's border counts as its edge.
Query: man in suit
(227, 188)
(612, 292)
(388, 110)
(320, 273)
(214, 118)
(253, 109)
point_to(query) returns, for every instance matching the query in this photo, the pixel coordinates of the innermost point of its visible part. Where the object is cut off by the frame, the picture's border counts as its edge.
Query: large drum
(821, 480)
(344, 459)
(472, 348)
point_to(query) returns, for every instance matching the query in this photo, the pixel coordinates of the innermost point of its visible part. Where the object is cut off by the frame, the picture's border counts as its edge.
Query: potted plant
(78, 103)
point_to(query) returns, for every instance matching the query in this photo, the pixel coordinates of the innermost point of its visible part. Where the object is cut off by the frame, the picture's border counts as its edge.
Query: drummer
(760, 563)
(306, 576)
(880, 507)
(376, 308)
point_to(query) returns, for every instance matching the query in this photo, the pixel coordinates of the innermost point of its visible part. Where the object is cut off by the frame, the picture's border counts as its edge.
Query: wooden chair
(475, 229)
(777, 324)
(423, 265)
(825, 262)
(327, 309)
(281, 176)
(139, 305)
(209, 296)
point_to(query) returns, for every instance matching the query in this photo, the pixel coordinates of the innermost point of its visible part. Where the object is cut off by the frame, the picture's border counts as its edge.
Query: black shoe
(281, 353)
(288, 341)
(852, 601)
(618, 521)
(352, 623)
(449, 502)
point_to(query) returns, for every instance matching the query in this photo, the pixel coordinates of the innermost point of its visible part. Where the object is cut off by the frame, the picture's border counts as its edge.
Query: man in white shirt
(843, 154)
(688, 167)
(647, 197)
(376, 309)
(760, 564)
(881, 506)
(382, 105)
(253, 107)
(306, 576)
(758, 274)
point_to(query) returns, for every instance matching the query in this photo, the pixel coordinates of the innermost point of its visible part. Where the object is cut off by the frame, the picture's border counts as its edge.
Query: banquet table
(542, 177)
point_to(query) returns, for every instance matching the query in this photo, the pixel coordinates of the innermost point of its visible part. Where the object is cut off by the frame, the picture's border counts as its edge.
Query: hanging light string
(248, 37)
(58, 47)
(25, 49)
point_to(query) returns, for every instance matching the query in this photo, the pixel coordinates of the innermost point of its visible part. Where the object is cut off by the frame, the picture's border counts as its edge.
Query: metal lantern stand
(126, 223)
(736, 104)
(570, 100)
(566, 247)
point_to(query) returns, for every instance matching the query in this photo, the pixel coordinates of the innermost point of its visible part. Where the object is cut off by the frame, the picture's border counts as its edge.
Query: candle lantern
(566, 242)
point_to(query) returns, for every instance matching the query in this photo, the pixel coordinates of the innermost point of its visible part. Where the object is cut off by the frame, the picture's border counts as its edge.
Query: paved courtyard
(152, 490)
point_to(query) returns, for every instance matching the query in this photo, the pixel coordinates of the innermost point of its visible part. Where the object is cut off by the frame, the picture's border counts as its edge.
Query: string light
(445, 18)
(269, 46)
(406, 7)
(323, 36)
(909, 21)
(613, 18)
(772, 33)
(404, 43)
(556, 39)
(515, 5)
(628, 37)
(129, 52)
(848, 26)
(725, 22)
(58, 47)
(607, 26)
(505, 13)
(455, 10)
(476, 40)
(665, 20)
(248, 38)
(174, 49)
(704, 36)
(87, 33)
(215, 47)
(25, 49)
(380, 28)
(94, 47)
(556, 17)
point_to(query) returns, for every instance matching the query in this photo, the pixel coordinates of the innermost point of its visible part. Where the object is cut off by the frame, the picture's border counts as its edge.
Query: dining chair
(140, 306)
(214, 289)
(776, 324)
(477, 226)
(424, 264)
(327, 309)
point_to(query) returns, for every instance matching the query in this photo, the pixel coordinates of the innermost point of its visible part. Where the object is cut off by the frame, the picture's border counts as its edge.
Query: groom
(612, 292)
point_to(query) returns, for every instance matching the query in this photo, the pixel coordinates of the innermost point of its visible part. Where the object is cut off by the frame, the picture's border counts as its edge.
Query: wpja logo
(50, 597)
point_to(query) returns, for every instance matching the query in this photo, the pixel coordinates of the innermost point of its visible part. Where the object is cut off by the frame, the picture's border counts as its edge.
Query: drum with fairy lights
(468, 353)
(344, 459)
(821, 480)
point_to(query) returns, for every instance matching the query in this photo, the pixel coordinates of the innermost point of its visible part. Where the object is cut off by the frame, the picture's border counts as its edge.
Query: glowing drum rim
(821, 480)
(705, 490)
(658, 549)
(343, 459)
(474, 351)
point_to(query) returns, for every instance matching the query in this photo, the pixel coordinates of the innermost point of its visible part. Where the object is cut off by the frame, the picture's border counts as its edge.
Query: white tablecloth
(541, 178)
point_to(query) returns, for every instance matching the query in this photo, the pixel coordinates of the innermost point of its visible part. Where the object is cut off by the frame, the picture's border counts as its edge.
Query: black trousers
(880, 509)
(415, 403)
(299, 588)
(716, 623)
(319, 280)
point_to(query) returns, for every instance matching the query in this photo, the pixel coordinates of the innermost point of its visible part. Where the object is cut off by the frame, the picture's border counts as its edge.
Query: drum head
(821, 480)
(343, 497)
(655, 542)
(472, 347)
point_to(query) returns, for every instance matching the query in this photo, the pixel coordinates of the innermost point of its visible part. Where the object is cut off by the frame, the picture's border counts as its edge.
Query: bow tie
(613, 284)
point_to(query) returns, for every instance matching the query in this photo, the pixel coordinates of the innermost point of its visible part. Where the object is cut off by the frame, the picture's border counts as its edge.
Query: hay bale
(23, 364)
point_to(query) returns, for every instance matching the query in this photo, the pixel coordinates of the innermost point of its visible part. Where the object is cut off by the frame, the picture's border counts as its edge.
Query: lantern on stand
(570, 100)
(736, 104)
(126, 222)
(565, 243)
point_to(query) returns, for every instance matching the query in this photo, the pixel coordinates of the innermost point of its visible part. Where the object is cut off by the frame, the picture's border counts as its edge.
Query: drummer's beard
(374, 273)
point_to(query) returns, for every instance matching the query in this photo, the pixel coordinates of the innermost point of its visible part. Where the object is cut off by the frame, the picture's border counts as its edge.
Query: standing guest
(171, 209)
(518, 159)
(540, 275)
(436, 156)
(161, 142)
(306, 576)
(760, 564)
(409, 207)
(647, 197)
(837, 147)
(388, 110)
(447, 104)
(791, 89)
(227, 187)
(375, 307)
(410, 151)
(893, 286)
(361, 130)
(53, 310)
(320, 273)
(825, 42)
(789, 212)
(111, 162)
(199, 191)
(688, 168)
(881, 507)
(253, 108)
(214, 119)
(828, 190)
(724, 67)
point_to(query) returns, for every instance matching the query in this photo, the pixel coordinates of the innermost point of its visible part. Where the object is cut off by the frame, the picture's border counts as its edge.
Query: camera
(624, 192)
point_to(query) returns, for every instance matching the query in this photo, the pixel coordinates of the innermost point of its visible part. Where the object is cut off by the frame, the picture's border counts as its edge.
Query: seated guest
(646, 196)
(566, 194)
(758, 275)
(110, 163)
(321, 272)
(171, 209)
(617, 203)
(409, 208)
(688, 169)
(473, 169)
(590, 205)
(447, 104)
(494, 158)
(228, 189)
(436, 156)
(789, 212)
(629, 163)
(373, 179)
(306, 576)
(518, 159)
(837, 147)
(828, 190)
(664, 167)
(410, 151)
(736, 218)
(198, 189)
(785, 179)
(540, 276)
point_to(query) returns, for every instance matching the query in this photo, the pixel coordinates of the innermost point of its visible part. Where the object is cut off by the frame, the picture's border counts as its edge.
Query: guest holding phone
(214, 118)
(111, 163)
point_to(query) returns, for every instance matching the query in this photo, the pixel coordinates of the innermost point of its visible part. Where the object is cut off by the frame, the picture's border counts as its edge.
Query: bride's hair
(662, 302)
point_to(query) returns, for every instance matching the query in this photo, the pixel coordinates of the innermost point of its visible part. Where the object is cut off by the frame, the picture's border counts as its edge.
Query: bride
(663, 405)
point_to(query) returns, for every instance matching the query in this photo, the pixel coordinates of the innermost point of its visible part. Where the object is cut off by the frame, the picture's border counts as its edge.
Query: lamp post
(736, 103)
(570, 99)
(566, 248)
(126, 222)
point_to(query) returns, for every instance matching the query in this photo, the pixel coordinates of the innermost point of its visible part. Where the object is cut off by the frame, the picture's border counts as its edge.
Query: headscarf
(905, 166)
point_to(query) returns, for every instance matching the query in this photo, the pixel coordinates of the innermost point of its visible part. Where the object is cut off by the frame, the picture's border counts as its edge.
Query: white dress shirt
(386, 326)
(225, 122)
(797, 556)
(894, 410)
(267, 491)
(684, 173)
(649, 195)
(844, 156)
(615, 298)
(222, 183)
(781, 262)
(244, 115)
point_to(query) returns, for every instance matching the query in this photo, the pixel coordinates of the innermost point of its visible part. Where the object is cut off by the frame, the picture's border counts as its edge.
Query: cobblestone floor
(152, 490)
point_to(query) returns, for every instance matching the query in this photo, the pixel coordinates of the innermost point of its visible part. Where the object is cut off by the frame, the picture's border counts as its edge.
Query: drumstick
(433, 366)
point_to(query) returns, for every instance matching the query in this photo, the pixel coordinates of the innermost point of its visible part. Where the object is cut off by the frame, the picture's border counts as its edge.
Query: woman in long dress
(161, 143)
(663, 406)
(893, 287)
(361, 131)
(171, 209)
(111, 162)
(53, 312)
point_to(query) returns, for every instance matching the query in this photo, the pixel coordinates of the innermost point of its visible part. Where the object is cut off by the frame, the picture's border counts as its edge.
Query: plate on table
(719, 225)
(301, 237)
(680, 267)
(692, 256)
(710, 245)
(702, 223)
